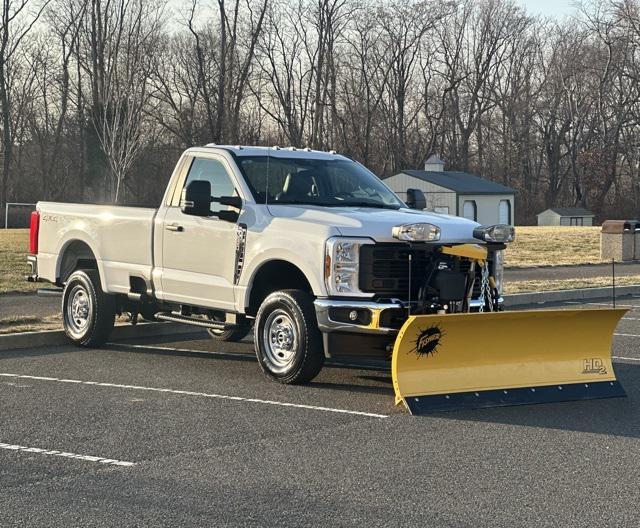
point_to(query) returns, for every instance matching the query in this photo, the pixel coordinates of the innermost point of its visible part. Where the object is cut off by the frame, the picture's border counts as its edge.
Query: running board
(50, 292)
(176, 318)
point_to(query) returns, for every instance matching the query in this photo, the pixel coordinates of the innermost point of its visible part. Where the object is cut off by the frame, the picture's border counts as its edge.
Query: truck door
(198, 253)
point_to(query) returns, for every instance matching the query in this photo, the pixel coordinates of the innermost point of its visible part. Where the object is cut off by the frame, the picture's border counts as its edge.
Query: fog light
(353, 315)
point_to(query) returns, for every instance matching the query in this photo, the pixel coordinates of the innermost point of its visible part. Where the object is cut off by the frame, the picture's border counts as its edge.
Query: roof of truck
(274, 152)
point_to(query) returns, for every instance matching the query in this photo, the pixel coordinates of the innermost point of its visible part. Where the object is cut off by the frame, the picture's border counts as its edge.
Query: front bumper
(378, 318)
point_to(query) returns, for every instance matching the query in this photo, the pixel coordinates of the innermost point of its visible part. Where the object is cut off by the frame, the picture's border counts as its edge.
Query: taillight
(34, 227)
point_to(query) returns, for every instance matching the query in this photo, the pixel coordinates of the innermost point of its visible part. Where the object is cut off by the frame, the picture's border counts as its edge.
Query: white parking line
(610, 305)
(198, 394)
(625, 358)
(65, 454)
(188, 350)
(246, 356)
(627, 335)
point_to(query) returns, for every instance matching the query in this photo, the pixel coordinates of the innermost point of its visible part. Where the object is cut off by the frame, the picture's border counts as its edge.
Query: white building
(565, 216)
(457, 193)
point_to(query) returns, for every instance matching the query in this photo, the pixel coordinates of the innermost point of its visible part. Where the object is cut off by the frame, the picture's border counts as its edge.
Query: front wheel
(88, 314)
(287, 340)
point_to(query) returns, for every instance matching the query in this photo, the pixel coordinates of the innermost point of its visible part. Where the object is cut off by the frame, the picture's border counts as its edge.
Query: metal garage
(457, 193)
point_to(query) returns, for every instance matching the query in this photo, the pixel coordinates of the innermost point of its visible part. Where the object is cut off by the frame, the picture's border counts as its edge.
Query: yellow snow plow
(475, 360)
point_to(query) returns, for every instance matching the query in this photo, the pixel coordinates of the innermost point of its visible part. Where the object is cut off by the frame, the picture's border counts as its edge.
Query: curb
(584, 294)
(57, 337)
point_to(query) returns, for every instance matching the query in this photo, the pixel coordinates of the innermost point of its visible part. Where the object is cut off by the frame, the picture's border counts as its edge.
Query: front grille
(384, 269)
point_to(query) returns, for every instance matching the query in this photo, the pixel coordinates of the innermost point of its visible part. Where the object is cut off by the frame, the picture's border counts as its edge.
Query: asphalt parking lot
(190, 433)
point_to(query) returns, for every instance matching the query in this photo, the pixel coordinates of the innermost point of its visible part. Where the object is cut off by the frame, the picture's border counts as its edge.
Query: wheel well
(273, 276)
(77, 255)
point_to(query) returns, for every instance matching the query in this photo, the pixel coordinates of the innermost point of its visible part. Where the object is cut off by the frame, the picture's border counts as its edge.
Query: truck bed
(120, 237)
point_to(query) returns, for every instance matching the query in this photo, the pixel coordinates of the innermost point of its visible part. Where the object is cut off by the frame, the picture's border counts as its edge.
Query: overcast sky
(555, 8)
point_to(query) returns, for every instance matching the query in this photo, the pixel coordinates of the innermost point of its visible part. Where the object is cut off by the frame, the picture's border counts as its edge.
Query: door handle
(174, 227)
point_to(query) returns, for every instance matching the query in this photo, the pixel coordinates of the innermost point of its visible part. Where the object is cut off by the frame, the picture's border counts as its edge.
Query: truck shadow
(613, 416)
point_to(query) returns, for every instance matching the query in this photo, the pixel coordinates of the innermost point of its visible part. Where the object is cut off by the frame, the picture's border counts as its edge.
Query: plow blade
(468, 361)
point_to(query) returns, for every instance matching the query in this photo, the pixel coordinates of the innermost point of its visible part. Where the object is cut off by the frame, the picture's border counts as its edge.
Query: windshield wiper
(375, 205)
(299, 202)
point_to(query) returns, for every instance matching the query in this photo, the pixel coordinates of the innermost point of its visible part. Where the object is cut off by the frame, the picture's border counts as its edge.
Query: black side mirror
(416, 199)
(196, 201)
(196, 198)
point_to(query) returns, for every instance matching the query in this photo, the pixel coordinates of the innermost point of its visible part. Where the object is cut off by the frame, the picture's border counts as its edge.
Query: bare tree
(18, 19)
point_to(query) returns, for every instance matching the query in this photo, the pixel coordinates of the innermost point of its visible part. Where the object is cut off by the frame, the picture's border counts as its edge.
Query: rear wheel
(88, 314)
(288, 343)
(232, 335)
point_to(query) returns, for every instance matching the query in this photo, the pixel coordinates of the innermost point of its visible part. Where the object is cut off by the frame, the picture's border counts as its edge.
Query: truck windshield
(329, 183)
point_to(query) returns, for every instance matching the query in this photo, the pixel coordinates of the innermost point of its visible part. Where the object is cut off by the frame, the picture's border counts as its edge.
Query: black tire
(297, 353)
(90, 322)
(233, 335)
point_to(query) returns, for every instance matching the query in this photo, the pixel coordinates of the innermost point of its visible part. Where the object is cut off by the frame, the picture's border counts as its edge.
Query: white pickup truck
(310, 248)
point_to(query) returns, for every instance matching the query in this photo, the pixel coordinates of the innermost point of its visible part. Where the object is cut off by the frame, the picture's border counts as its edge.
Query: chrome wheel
(280, 340)
(78, 311)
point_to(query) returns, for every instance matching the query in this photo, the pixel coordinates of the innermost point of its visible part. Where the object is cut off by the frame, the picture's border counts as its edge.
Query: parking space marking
(186, 350)
(627, 335)
(625, 358)
(65, 454)
(197, 394)
(328, 363)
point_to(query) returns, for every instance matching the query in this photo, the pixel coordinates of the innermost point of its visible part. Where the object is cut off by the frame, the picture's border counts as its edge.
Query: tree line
(99, 97)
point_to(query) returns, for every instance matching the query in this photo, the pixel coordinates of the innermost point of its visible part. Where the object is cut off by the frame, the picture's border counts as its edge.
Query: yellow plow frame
(475, 360)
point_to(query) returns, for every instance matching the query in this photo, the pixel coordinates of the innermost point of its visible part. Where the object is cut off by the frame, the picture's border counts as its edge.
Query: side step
(177, 318)
(50, 292)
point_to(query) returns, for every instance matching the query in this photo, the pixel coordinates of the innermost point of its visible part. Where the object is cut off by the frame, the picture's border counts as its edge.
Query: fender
(75, 235)
(252, 268)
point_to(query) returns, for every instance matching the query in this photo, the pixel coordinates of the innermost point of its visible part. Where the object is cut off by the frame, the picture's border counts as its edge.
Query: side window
(214, 172)
(469, 210)
(504, 212)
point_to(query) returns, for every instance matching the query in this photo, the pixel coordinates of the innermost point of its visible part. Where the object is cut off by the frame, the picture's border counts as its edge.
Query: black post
(613, 280)
(410, 270)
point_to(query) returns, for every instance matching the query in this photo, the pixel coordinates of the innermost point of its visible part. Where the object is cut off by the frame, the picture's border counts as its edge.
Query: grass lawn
(14, 246)
(553, 246)
(567, 284)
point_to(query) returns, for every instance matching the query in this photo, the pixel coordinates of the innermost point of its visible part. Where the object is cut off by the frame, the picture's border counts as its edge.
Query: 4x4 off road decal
(428, 341)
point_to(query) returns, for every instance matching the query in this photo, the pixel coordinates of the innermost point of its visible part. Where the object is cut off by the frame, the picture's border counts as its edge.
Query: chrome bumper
(328, 322)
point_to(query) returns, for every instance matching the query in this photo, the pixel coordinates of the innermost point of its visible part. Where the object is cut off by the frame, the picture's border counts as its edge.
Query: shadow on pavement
(613, 416)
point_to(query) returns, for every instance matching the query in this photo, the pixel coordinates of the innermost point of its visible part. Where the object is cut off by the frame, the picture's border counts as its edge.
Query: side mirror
(196, 201)
(196, 198)
(416, 199)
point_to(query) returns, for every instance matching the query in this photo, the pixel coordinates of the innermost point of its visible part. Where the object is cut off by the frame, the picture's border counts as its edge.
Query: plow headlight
(342, 265)
(499, 234)
(416, 232)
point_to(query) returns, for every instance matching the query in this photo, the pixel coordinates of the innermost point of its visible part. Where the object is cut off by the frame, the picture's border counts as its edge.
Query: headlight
(416, 232)
(341, 265)
(499, 234)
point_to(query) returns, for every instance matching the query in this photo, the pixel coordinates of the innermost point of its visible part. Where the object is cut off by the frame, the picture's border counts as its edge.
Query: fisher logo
(428, 341)
(593, 366)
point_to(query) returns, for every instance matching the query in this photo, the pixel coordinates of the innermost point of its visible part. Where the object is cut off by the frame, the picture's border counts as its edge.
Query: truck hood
(376, 223)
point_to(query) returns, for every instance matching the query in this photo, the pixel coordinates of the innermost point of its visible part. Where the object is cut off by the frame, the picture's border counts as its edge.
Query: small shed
(565, 216)
(457, 193)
